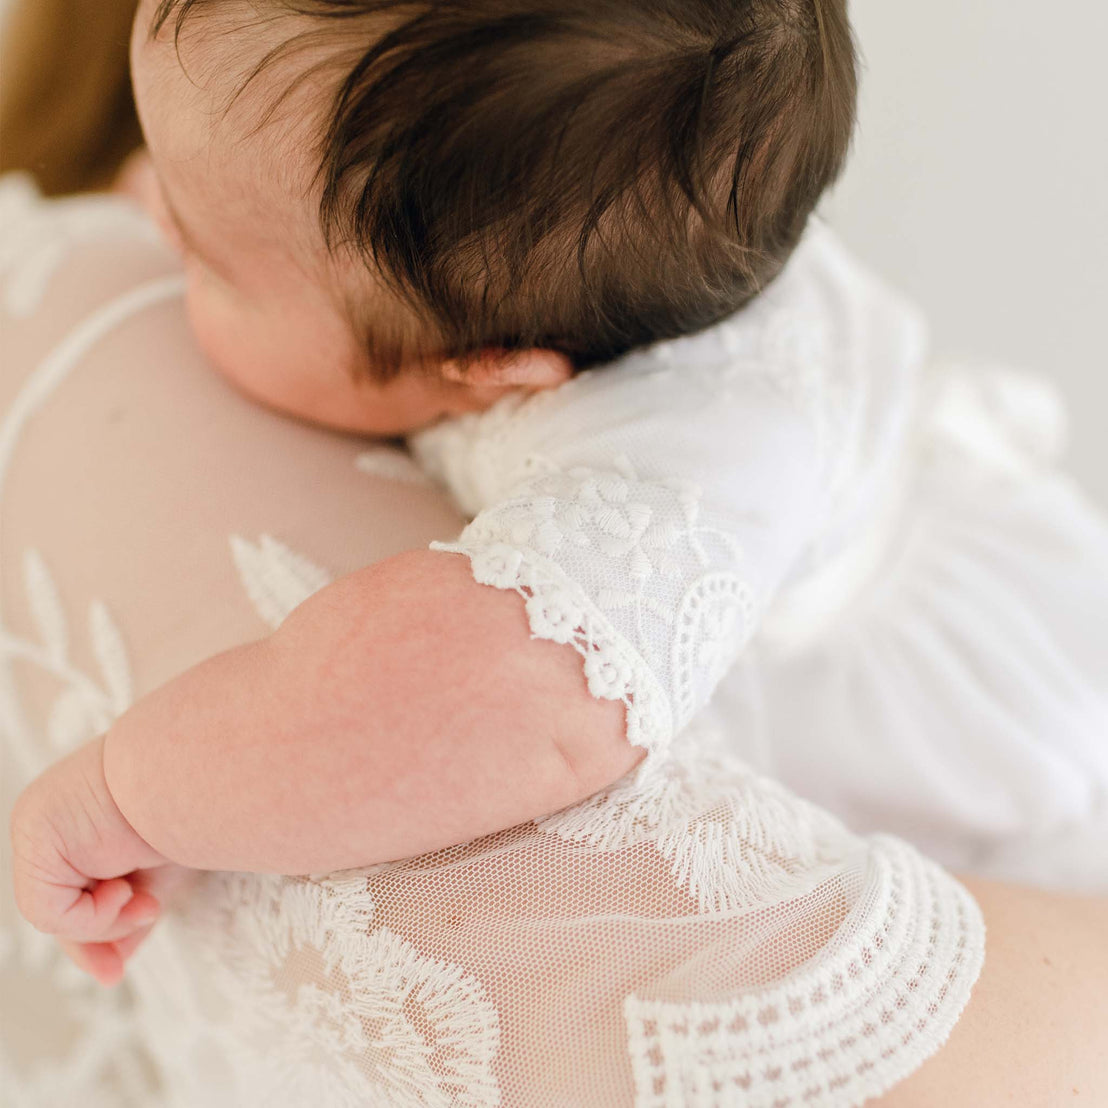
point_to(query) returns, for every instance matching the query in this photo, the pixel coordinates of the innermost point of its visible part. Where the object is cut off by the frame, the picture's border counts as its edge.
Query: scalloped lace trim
(559, 610)
(837, 1032)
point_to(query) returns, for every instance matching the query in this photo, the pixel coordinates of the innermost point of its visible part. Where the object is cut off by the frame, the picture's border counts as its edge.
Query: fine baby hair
(586, 176)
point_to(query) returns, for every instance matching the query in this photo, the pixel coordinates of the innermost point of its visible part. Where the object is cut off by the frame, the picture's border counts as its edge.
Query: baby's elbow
(598, 756)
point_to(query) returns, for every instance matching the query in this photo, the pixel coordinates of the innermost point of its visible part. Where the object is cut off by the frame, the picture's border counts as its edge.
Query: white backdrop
(979, 184)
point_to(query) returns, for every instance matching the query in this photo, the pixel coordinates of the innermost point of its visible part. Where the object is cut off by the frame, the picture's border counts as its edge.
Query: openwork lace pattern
(840, 1030)
(730, 839)
(559, 610)
(628, 573)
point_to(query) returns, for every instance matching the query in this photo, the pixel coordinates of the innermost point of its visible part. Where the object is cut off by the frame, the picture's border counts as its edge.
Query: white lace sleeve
(648, 511)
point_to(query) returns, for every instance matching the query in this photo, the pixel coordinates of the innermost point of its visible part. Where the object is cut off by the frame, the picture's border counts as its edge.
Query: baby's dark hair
(586, 176)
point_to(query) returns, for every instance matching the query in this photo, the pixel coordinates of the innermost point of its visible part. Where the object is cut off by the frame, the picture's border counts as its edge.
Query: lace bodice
(650, 511)
(696, 939)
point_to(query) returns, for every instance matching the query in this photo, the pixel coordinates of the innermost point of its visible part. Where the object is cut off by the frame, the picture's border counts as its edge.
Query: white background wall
(979, 184)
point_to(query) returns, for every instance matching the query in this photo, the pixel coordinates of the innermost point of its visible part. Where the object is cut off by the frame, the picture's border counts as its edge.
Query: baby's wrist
(82, 786)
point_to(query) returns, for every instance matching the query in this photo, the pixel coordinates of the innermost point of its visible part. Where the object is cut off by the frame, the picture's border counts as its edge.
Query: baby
(525, 235)
(390, 213)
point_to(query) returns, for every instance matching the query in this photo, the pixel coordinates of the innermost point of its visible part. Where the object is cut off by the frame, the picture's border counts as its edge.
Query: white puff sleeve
(649, 511)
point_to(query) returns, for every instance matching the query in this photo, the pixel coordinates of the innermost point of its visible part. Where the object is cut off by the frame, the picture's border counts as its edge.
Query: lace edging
(847, 1027)
(559, 610)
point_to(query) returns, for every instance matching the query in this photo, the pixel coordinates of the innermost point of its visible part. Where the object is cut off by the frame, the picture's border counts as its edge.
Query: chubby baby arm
(400, 709)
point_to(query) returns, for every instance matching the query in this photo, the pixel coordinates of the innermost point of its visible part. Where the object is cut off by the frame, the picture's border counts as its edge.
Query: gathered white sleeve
(650, 510)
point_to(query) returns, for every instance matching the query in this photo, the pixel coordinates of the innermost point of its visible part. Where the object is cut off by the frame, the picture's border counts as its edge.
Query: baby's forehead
(201, 87)
(240, 141)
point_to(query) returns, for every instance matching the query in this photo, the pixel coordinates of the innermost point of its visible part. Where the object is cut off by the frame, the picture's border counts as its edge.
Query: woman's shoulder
(39, 237)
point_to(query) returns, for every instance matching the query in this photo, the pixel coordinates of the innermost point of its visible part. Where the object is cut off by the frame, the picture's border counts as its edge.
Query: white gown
(695, 937)
(860, 567)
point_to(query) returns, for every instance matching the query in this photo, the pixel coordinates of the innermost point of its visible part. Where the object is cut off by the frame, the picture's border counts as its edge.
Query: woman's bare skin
(1035, 1032)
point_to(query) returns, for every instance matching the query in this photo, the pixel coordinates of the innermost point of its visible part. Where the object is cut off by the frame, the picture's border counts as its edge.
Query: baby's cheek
(224, 332)
(269, 355)
(302, 362)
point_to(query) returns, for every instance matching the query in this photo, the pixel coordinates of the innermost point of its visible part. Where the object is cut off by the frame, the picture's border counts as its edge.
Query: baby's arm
(401, 709)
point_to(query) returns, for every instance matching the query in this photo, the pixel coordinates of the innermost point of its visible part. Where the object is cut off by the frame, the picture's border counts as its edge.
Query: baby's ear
(516, 369)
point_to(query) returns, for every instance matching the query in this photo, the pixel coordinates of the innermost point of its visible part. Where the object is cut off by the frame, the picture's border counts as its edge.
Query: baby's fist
(79, 869)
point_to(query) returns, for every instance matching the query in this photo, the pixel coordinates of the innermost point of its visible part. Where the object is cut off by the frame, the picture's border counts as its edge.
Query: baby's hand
(80, 870)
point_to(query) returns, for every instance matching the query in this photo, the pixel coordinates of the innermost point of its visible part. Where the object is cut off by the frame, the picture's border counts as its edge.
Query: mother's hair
(66, 111)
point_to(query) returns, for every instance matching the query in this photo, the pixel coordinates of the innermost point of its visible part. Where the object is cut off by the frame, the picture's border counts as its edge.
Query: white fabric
(917, 602)
(694, 937)
(651, 509)
(962, 699)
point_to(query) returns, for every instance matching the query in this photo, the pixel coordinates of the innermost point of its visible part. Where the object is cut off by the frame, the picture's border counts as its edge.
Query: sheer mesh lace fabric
(695, 937)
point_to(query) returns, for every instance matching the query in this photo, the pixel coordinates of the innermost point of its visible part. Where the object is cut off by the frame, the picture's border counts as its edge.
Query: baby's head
(425, 203)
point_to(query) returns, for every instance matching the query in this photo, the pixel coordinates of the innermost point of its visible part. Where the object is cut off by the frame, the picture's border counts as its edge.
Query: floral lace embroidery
(35, 239)
(103, 1061)
(83, 708)
(731, 839)
(392, 1025)
(626, 572)
(560, 611)
(83, 705)
(276, 579)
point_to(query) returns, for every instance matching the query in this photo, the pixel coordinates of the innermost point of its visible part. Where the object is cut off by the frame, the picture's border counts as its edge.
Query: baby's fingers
(100, 960)
(105, 913)
(104, 961)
